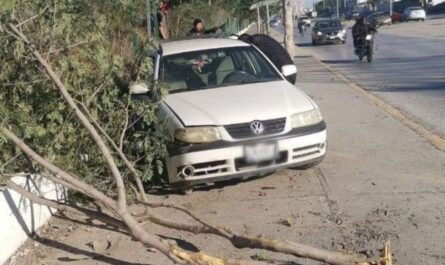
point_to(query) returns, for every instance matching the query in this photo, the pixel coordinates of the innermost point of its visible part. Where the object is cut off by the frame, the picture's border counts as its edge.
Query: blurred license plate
(332, 37)
(260, 152)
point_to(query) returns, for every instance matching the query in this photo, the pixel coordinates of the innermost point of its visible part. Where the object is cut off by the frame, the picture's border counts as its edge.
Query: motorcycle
(365, 47)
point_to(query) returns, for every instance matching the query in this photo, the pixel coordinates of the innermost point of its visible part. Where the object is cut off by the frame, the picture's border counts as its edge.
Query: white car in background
(232, 114)
(307, 21)
(414, 13)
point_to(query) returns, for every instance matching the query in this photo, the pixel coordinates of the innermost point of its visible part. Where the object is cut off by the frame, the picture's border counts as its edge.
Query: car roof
(198, 44)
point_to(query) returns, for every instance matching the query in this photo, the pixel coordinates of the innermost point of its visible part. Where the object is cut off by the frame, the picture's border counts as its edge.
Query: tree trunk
(289, 27)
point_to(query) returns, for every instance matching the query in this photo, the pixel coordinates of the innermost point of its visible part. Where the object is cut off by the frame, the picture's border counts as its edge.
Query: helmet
(360, 20)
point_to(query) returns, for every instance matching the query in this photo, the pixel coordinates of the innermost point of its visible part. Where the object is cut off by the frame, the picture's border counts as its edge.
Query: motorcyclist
(360, 29)
(301, 26)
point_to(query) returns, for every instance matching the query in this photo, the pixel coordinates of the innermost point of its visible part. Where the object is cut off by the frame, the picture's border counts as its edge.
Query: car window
(215, 68)
(329, 24)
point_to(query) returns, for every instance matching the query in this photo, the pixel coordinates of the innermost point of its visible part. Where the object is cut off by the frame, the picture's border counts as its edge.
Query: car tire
(276, 53)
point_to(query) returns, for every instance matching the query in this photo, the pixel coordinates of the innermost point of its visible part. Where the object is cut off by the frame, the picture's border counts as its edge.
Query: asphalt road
(408, 70)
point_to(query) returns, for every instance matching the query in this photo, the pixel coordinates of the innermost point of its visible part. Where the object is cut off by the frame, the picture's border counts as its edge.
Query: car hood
(330, 30)
(238, 104)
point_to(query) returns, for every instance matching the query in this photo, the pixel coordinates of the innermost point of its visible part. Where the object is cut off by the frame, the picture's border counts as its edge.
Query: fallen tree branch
(280, 246)
(121, 154)
(65, 207)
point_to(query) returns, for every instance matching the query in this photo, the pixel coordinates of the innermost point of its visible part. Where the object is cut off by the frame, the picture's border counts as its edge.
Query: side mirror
(140, 91)
(288, 70)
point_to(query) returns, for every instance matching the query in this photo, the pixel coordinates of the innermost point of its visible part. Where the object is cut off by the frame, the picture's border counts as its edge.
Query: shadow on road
(340, 61)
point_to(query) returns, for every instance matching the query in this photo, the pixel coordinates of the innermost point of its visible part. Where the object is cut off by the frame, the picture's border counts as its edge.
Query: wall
(20, 218)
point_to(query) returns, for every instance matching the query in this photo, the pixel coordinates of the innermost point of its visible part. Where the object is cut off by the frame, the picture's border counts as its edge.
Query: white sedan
(232, 114)
(414, 13)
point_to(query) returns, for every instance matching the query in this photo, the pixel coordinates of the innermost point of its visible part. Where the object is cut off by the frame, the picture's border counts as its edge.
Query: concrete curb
(21, 218)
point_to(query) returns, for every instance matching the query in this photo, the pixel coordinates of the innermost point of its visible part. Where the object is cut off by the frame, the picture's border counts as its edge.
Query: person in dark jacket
(199, 29)
(361, 29)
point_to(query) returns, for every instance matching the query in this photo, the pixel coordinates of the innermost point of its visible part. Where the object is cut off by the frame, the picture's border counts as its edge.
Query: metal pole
(147, 2)
(390, 8)
(268, 19)
(258, 19)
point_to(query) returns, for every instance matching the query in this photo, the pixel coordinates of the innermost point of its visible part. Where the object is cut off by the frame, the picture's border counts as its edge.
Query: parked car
(274, 22)
(351, 15)
(414, 13)
(378, 19)
(231, 113)
(396, 17)
(328, 31)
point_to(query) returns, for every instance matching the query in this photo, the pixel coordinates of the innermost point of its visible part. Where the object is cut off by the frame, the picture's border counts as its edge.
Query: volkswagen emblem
(257, 127)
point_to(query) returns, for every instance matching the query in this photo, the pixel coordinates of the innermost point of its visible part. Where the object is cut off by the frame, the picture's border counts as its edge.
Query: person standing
(199, 29)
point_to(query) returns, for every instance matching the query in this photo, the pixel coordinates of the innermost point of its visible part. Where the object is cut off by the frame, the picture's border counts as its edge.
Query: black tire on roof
(276, 53)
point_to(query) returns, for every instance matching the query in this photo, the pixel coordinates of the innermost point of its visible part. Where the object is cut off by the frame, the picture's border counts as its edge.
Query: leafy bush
(97, 48)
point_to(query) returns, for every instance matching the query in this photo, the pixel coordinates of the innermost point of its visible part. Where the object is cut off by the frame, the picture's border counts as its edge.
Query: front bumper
(331, 38)
(226, 160)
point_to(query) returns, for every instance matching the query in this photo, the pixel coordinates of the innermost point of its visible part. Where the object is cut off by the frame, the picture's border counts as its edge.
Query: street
(408, 70)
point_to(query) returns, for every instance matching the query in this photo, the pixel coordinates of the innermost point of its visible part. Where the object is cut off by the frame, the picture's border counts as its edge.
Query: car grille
(242, 130)
(333, 33)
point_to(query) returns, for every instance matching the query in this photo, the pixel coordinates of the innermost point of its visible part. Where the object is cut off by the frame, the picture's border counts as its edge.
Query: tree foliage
(98, 48)
(213, 13)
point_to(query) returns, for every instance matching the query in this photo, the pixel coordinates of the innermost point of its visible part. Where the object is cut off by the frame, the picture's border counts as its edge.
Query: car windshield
(329, 24)
(215, 68)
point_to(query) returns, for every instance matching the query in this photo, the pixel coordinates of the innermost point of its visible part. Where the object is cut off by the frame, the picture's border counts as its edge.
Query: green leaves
(93, 46)
(7, 5)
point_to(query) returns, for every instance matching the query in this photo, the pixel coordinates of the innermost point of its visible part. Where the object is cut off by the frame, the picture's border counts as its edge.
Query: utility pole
(258, 19)
(390, 8)
(289, 27)
(338, 12)
(268, 19)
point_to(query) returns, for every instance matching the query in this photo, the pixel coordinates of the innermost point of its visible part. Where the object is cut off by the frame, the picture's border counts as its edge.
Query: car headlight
(319, 33)
(195, 135)
(306, 118)
(343, 31)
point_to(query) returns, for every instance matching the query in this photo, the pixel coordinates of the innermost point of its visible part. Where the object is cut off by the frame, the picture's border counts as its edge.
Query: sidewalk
(384, 179)
(379, 181)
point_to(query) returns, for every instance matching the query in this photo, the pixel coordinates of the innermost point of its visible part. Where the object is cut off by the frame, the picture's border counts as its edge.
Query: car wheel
(343, 41)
